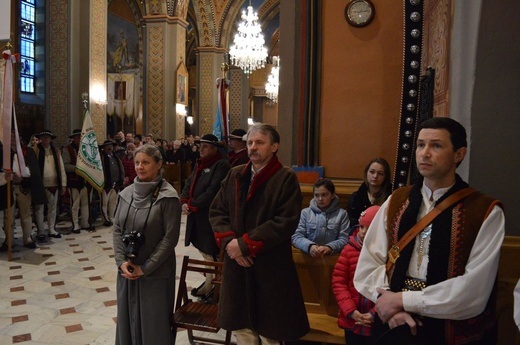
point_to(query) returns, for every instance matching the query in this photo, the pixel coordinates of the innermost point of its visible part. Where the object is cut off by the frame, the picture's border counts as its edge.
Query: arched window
(27, 46)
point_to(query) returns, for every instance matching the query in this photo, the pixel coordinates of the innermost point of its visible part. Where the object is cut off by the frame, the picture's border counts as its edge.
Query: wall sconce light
(99, 95)
(180, 109)
(190, 120)
(250, 121)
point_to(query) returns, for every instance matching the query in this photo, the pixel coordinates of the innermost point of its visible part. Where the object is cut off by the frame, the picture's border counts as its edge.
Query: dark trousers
(352, 338)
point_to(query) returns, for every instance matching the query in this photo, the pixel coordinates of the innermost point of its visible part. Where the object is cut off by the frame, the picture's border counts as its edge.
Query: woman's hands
(131, 271)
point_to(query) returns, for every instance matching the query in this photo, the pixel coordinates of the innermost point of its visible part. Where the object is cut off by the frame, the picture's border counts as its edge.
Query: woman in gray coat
(146, 231)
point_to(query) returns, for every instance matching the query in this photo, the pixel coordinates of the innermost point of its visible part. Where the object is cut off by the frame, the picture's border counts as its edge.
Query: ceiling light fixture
(248, 51)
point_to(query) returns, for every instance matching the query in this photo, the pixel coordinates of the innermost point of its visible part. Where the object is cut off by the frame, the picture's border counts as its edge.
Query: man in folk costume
(237, 143)
(114, 177)
(78, 189)
(50, 169)
(201, 187)
(440, 286)
(21, 196)
(254, 216)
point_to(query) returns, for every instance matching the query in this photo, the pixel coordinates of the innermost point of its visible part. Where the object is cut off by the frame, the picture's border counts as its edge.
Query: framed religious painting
(181, 89)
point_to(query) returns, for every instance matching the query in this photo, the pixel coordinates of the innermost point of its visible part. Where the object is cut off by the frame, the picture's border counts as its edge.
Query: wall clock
(359, 13)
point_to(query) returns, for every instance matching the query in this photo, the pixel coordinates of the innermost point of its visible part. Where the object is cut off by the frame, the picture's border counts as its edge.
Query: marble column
(165, 38)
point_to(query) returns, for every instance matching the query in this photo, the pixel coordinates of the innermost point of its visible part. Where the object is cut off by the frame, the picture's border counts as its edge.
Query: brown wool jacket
(266, 297)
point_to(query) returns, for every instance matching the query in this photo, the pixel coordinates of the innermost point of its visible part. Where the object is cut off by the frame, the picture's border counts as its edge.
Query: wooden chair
(195, 315)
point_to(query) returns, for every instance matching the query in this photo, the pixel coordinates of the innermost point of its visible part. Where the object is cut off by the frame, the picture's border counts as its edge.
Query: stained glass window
(27, 19)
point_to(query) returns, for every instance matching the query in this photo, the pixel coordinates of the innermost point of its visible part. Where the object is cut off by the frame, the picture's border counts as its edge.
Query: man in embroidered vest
(201, 187)
(254, 216)
(52, 172)
(78, 189)
(441, 287)
(114, 173)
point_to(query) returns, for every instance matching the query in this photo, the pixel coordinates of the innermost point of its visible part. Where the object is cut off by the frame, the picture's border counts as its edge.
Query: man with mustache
(440, 287)
(254, 216)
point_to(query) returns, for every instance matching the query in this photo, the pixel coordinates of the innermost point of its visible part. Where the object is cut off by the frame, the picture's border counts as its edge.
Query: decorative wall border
(58, 90)
(98, 63)
(412, 60)
(155, 79)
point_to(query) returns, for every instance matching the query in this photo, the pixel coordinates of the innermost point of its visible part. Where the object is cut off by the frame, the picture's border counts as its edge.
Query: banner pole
(8, 225)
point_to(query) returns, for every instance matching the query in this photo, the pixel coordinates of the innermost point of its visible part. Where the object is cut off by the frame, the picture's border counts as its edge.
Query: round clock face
(359, 12)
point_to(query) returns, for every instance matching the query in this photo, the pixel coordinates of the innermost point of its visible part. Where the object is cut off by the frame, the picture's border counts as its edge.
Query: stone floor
(64, 292)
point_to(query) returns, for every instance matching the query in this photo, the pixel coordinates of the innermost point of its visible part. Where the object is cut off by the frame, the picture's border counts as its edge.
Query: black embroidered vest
(453, 234)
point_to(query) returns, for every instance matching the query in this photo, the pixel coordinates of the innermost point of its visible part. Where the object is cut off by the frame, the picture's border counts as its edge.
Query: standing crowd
(415, 265)
(49, 186)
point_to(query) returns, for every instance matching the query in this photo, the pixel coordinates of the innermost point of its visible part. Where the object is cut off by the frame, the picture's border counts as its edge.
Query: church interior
(346, 90)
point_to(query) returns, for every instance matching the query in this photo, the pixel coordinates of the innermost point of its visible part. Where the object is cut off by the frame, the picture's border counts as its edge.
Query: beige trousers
(79, 200)
(52, 204)
(108, 204)
(246, 336)
(24, 207)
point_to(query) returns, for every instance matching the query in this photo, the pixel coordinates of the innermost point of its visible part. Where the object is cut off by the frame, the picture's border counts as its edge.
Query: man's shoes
(30, 245)
(76, 231)
(55, 235)
(90, 228)
(41, 238)
(107, 223)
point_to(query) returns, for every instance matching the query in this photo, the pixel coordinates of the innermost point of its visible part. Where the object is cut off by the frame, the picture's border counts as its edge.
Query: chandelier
(248, 51)
(273, 81)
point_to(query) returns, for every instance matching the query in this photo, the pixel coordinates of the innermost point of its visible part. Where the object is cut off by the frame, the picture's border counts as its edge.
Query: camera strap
(153, 198)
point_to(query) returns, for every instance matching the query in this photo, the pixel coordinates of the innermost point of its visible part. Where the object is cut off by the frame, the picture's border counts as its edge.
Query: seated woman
(374, 191)
(323, 227)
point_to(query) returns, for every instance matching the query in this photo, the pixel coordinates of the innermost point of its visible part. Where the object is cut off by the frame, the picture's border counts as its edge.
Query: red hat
(368, 215)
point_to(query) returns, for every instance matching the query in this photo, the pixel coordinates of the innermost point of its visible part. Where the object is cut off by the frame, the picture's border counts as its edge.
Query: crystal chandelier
(273, 81)
(248, 51)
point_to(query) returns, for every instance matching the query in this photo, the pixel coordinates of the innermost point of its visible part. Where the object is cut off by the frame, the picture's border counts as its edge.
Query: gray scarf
(143, 191)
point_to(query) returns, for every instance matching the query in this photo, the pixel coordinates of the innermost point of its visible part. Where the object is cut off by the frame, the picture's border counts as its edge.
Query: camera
(132, 241)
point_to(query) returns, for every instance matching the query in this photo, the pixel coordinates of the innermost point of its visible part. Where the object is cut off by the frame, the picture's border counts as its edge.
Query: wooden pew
(344, 188)
(508, 275)
(322, 310)
(172, 174)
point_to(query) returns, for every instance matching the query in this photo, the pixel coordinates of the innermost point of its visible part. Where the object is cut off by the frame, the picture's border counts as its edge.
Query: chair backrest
(194, 265)
(200, 316)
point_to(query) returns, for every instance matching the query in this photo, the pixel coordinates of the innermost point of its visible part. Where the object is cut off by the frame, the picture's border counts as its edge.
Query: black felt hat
(45, 132)
(106, 143)
(210, 139)
(239, 134)
(75, 132)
